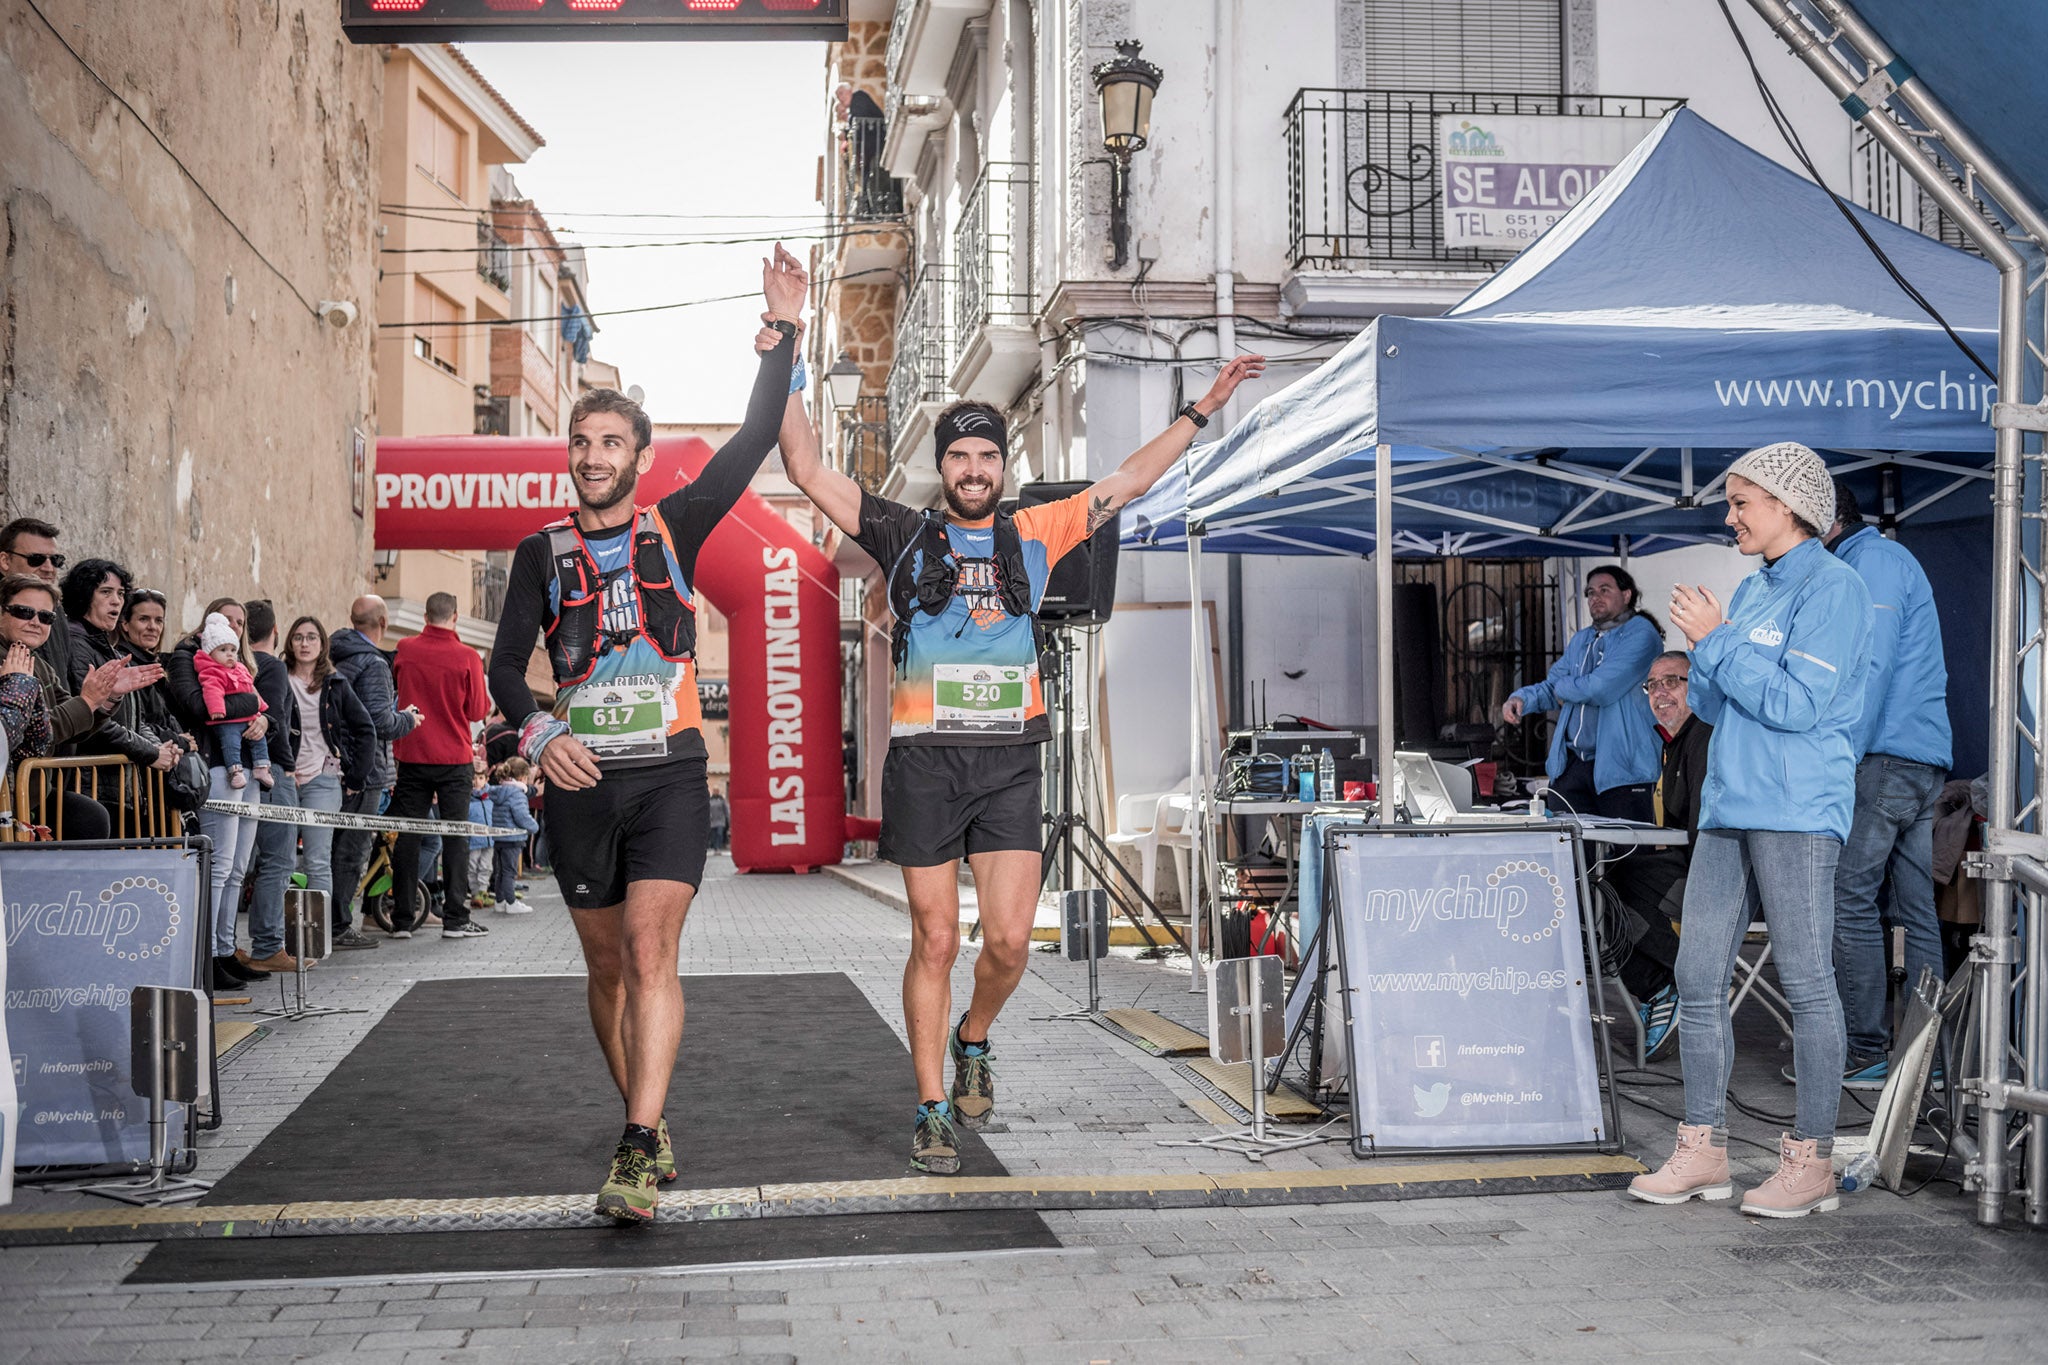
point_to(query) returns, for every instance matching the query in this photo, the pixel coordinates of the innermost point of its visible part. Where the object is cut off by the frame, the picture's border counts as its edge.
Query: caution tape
(342, 819)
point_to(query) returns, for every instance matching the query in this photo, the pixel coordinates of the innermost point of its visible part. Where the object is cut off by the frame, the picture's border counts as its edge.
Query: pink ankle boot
(1803, 1183)
(1697, 1170)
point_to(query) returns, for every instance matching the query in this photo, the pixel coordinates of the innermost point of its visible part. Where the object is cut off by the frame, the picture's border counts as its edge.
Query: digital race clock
(423, 21)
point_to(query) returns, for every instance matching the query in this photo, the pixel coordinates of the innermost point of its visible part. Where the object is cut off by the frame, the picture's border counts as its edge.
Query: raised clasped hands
(1696, 612)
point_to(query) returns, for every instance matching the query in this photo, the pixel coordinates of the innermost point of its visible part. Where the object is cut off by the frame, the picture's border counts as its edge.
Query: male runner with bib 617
(628, 806)
(966, 716)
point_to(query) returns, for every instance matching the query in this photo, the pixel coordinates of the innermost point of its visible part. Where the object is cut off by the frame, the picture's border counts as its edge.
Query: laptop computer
(1420, 790)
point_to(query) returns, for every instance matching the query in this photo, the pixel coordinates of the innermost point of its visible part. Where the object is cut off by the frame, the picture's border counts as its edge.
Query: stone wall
(167, 396)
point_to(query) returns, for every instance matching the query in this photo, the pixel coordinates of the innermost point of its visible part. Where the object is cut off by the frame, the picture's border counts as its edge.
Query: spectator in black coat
(94, 593)
(358, 655)
(337, 752)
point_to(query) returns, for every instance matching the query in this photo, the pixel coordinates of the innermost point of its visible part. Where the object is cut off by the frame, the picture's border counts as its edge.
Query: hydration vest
(576, 638)
(931, 588)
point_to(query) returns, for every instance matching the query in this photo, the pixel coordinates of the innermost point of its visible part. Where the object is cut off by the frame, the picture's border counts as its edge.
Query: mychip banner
(84, 927)
(1507, 178)
(1465, 976)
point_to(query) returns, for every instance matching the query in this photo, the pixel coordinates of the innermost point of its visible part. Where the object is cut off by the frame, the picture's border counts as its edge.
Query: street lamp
(1125, 85)
(844, 381)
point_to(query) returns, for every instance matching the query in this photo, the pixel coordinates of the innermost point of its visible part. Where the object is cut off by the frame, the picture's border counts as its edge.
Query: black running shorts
(943, 802)
(648, 824)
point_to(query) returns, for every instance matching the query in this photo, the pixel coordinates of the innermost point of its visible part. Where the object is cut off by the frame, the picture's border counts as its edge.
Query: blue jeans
(1894, 831)
(234, 839)
(1791, 878)
(276, 855)
(316, 842)
(235, 746)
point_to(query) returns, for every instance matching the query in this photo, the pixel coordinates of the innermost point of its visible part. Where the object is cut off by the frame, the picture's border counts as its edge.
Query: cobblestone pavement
(1551, 1276)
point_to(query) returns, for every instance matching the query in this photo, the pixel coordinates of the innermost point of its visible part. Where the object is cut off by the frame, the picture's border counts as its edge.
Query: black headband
(964, 422)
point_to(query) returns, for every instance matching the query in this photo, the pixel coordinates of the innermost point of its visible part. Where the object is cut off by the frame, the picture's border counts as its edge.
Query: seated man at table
(1650, 882)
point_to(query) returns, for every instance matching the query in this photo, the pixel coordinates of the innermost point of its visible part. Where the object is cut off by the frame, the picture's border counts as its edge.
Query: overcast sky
(705, 130)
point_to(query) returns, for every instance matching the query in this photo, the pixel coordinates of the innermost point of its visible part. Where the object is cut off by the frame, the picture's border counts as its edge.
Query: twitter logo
(1429, 1103)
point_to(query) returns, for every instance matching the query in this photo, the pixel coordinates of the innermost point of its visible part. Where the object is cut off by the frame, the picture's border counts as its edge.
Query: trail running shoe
(1866, 1075)
(628, 1192)
(935, 1149)
(664, 1155)
(974, 1083)
(1659, 1019)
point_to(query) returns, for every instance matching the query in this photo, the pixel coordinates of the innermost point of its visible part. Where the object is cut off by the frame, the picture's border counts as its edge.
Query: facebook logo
(1429, 1051)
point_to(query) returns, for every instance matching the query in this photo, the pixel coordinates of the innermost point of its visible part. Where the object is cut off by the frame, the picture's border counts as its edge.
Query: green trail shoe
(935, 1148)
(664, 1155)
(974, 1083)
(628, 1193)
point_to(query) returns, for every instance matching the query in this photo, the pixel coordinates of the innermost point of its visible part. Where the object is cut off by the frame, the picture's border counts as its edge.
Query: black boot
(226, 982)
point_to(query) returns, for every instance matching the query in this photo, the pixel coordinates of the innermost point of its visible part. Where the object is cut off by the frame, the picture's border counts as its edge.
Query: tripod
(1071, 839)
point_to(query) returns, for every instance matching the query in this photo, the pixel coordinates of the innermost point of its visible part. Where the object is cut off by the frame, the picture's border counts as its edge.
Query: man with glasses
(29, 545)
(1650, 882)
(1603, 752)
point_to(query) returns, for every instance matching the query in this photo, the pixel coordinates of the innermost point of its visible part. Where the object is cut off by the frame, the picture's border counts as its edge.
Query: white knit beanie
(1795, 476)
(216, 632)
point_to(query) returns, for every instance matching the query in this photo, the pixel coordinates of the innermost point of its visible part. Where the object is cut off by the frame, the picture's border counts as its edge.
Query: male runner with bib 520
(966, 716)
(628, 808)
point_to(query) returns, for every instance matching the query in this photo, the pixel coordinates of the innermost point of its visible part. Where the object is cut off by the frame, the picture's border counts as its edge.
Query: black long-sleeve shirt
(692, 513)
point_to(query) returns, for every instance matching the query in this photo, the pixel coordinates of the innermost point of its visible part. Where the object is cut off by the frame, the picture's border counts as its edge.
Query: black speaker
(1082, 587)
(1418, 658)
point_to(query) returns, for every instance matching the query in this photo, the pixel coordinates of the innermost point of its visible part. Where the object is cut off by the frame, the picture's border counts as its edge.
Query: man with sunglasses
(29, 545)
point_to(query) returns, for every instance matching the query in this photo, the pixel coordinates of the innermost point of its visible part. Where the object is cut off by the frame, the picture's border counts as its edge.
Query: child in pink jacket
(221, 675)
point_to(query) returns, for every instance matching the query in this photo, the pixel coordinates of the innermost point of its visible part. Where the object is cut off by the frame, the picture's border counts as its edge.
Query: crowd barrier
(135, 797)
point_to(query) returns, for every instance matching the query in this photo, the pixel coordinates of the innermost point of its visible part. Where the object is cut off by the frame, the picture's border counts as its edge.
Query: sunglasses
(36, 561)
(48, 618)
(147, 595)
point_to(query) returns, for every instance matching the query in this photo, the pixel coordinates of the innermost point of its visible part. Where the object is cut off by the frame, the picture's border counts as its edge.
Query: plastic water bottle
(1326, 777)
(1305, 775)
(1860, 1173)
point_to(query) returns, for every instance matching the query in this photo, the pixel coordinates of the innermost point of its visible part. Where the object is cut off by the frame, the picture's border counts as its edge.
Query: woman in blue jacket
(1781, 681)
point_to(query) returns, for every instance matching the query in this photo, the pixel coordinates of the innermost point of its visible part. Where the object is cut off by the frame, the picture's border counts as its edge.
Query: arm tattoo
(1100, 509)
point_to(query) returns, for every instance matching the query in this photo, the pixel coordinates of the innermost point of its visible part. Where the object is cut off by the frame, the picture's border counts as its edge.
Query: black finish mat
(495, 1086)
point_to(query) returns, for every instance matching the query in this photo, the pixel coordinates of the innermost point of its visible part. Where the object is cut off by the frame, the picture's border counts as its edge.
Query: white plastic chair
(1137, 826)
(1174, 828)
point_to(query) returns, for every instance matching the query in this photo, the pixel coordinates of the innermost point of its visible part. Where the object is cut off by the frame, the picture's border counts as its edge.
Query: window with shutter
(1493, 45)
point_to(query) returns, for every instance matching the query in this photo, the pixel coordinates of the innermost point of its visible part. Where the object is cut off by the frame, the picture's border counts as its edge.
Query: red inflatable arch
(779, 593)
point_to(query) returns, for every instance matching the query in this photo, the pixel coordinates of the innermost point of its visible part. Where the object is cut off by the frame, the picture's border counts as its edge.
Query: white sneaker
(517, 908)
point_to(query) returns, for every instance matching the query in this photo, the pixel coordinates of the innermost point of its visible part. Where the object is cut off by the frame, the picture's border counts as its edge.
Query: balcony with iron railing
(1364, 184)
(487, 582)
(920, 374)
(493, 257)
(994, 314)
(867, 192)
(864, 442)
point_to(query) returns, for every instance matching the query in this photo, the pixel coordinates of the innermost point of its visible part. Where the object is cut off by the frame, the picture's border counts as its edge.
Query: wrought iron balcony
(487, 589)
(924, 348)
(864, 442)
(1362, 183)
(867, 192)
(992, 251)
(493, 256)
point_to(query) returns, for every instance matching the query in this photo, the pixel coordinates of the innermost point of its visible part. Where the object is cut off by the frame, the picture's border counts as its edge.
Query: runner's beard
(621, 489)
(968, 508)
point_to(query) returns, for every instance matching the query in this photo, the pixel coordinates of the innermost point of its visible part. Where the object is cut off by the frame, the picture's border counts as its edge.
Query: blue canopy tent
(1700, 301)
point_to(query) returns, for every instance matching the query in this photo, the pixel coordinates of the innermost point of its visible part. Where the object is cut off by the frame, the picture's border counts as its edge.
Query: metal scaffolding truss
(2009, 956)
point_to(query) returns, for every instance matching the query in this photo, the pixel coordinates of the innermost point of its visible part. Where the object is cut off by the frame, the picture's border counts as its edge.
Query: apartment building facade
(987, 244)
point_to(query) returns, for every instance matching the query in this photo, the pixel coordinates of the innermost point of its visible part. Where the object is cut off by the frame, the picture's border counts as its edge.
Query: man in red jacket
(444, 678)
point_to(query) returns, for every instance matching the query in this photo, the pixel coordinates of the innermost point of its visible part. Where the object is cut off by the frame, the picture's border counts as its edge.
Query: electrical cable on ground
(156, 137)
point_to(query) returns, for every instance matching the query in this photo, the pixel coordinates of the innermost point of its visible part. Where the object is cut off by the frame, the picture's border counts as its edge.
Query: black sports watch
(1193, 414)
